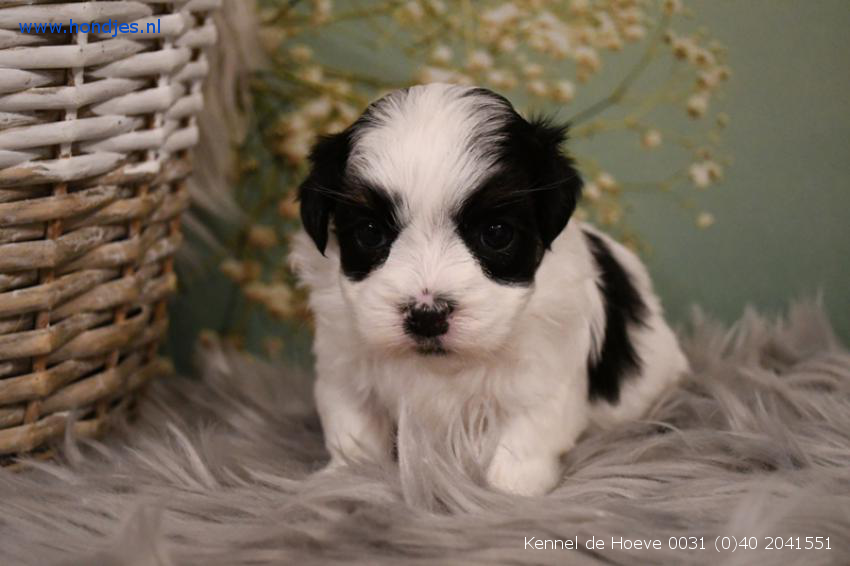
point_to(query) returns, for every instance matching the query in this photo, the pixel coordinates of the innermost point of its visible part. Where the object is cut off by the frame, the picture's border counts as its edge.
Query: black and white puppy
(445, 274)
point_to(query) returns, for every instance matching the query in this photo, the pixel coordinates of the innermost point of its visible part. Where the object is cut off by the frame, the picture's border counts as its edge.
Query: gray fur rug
(755, 444)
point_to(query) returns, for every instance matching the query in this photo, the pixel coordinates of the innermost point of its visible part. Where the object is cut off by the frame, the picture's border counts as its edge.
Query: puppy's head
(441, 202)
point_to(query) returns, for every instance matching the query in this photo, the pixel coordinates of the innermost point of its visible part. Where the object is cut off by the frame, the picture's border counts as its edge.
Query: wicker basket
(94, 136)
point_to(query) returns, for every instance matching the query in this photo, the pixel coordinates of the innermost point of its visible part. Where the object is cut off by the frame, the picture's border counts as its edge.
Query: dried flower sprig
(543, 54)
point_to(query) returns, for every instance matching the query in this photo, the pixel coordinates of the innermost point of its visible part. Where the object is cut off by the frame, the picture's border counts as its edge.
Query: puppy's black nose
(428, 320)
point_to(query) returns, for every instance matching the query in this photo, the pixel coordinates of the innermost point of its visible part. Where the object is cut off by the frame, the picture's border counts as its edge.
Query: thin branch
(620, 91)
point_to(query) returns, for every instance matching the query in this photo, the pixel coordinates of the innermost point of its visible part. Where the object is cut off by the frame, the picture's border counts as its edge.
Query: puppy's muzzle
(427, 321)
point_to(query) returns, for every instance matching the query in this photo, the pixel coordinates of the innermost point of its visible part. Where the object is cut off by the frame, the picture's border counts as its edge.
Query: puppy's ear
(559, 181)
(328, 160)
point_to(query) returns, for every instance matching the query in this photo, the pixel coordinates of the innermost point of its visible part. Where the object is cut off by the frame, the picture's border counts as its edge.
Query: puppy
(445, 275)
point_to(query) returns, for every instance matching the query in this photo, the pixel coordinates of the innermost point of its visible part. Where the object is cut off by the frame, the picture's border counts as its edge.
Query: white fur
(518, 354)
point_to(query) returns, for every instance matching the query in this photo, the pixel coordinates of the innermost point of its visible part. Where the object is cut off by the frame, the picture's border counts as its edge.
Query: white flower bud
(705, 220)
(651, 139)
(537, 88)
(698, 104)
(479, 60)
(564, 91)
(441, 54)
(301, 53)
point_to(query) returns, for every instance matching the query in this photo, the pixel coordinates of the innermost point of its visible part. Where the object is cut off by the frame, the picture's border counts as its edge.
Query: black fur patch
(534, 190)
(330, 195)
(324, 186)
(624, 307)
(364, 204)
(494, 202)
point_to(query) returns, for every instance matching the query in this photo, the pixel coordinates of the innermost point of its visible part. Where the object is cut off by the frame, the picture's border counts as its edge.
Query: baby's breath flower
(698, 104)
(240, 271)
(318, 108)
(546, 20)
(723, 119)
(537, 88)
(631, 15)
(479, 60)
(587, 58)
(564, 91)
(704, 173)
(533, 70)
(583, 34)
(715, 171)
(339, 87)
(591, 191)
(610, 213)
(705, 220)
(436, 6)
(295, 123)
(612, 42)
(580, 7)
(463, 79)
(507, 44)
(606, 32)
(501, 15)
(427, 75)
(296, 148)
(501, 79)
(313, 74)
(334, 127)
(322, 10)
(262, 236)
(441, 54)
(300, 53)
(703, 57)
(410, 13)
(606, 181)
(699, 175)
(672, 6)
(232, 269)
(279, 301)
(651, 139)
(683, 47)
(537, 42)
(708, 79)
(287, 207)
(549, 35)
(634, 32)
(276, 298)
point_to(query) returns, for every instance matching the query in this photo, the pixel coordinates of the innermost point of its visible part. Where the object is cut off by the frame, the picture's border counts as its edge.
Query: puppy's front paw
(527, 476)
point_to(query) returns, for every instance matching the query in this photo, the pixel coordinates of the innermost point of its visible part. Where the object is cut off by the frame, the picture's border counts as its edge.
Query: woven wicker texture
(95, 130)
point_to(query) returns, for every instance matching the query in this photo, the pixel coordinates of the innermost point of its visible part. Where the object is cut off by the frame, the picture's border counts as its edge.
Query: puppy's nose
(428, 320)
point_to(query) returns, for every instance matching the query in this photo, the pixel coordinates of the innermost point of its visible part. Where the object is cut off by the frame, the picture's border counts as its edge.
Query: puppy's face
(442, 201)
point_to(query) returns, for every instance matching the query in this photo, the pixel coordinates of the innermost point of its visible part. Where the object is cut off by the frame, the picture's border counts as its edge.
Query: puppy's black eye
(370, 236)
(497, 236)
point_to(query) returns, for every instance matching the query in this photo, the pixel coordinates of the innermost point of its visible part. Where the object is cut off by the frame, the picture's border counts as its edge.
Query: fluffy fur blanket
(755, 444)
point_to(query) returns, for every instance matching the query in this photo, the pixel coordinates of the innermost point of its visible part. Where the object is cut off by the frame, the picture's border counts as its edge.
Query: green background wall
(783, 211)
(783, 227)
